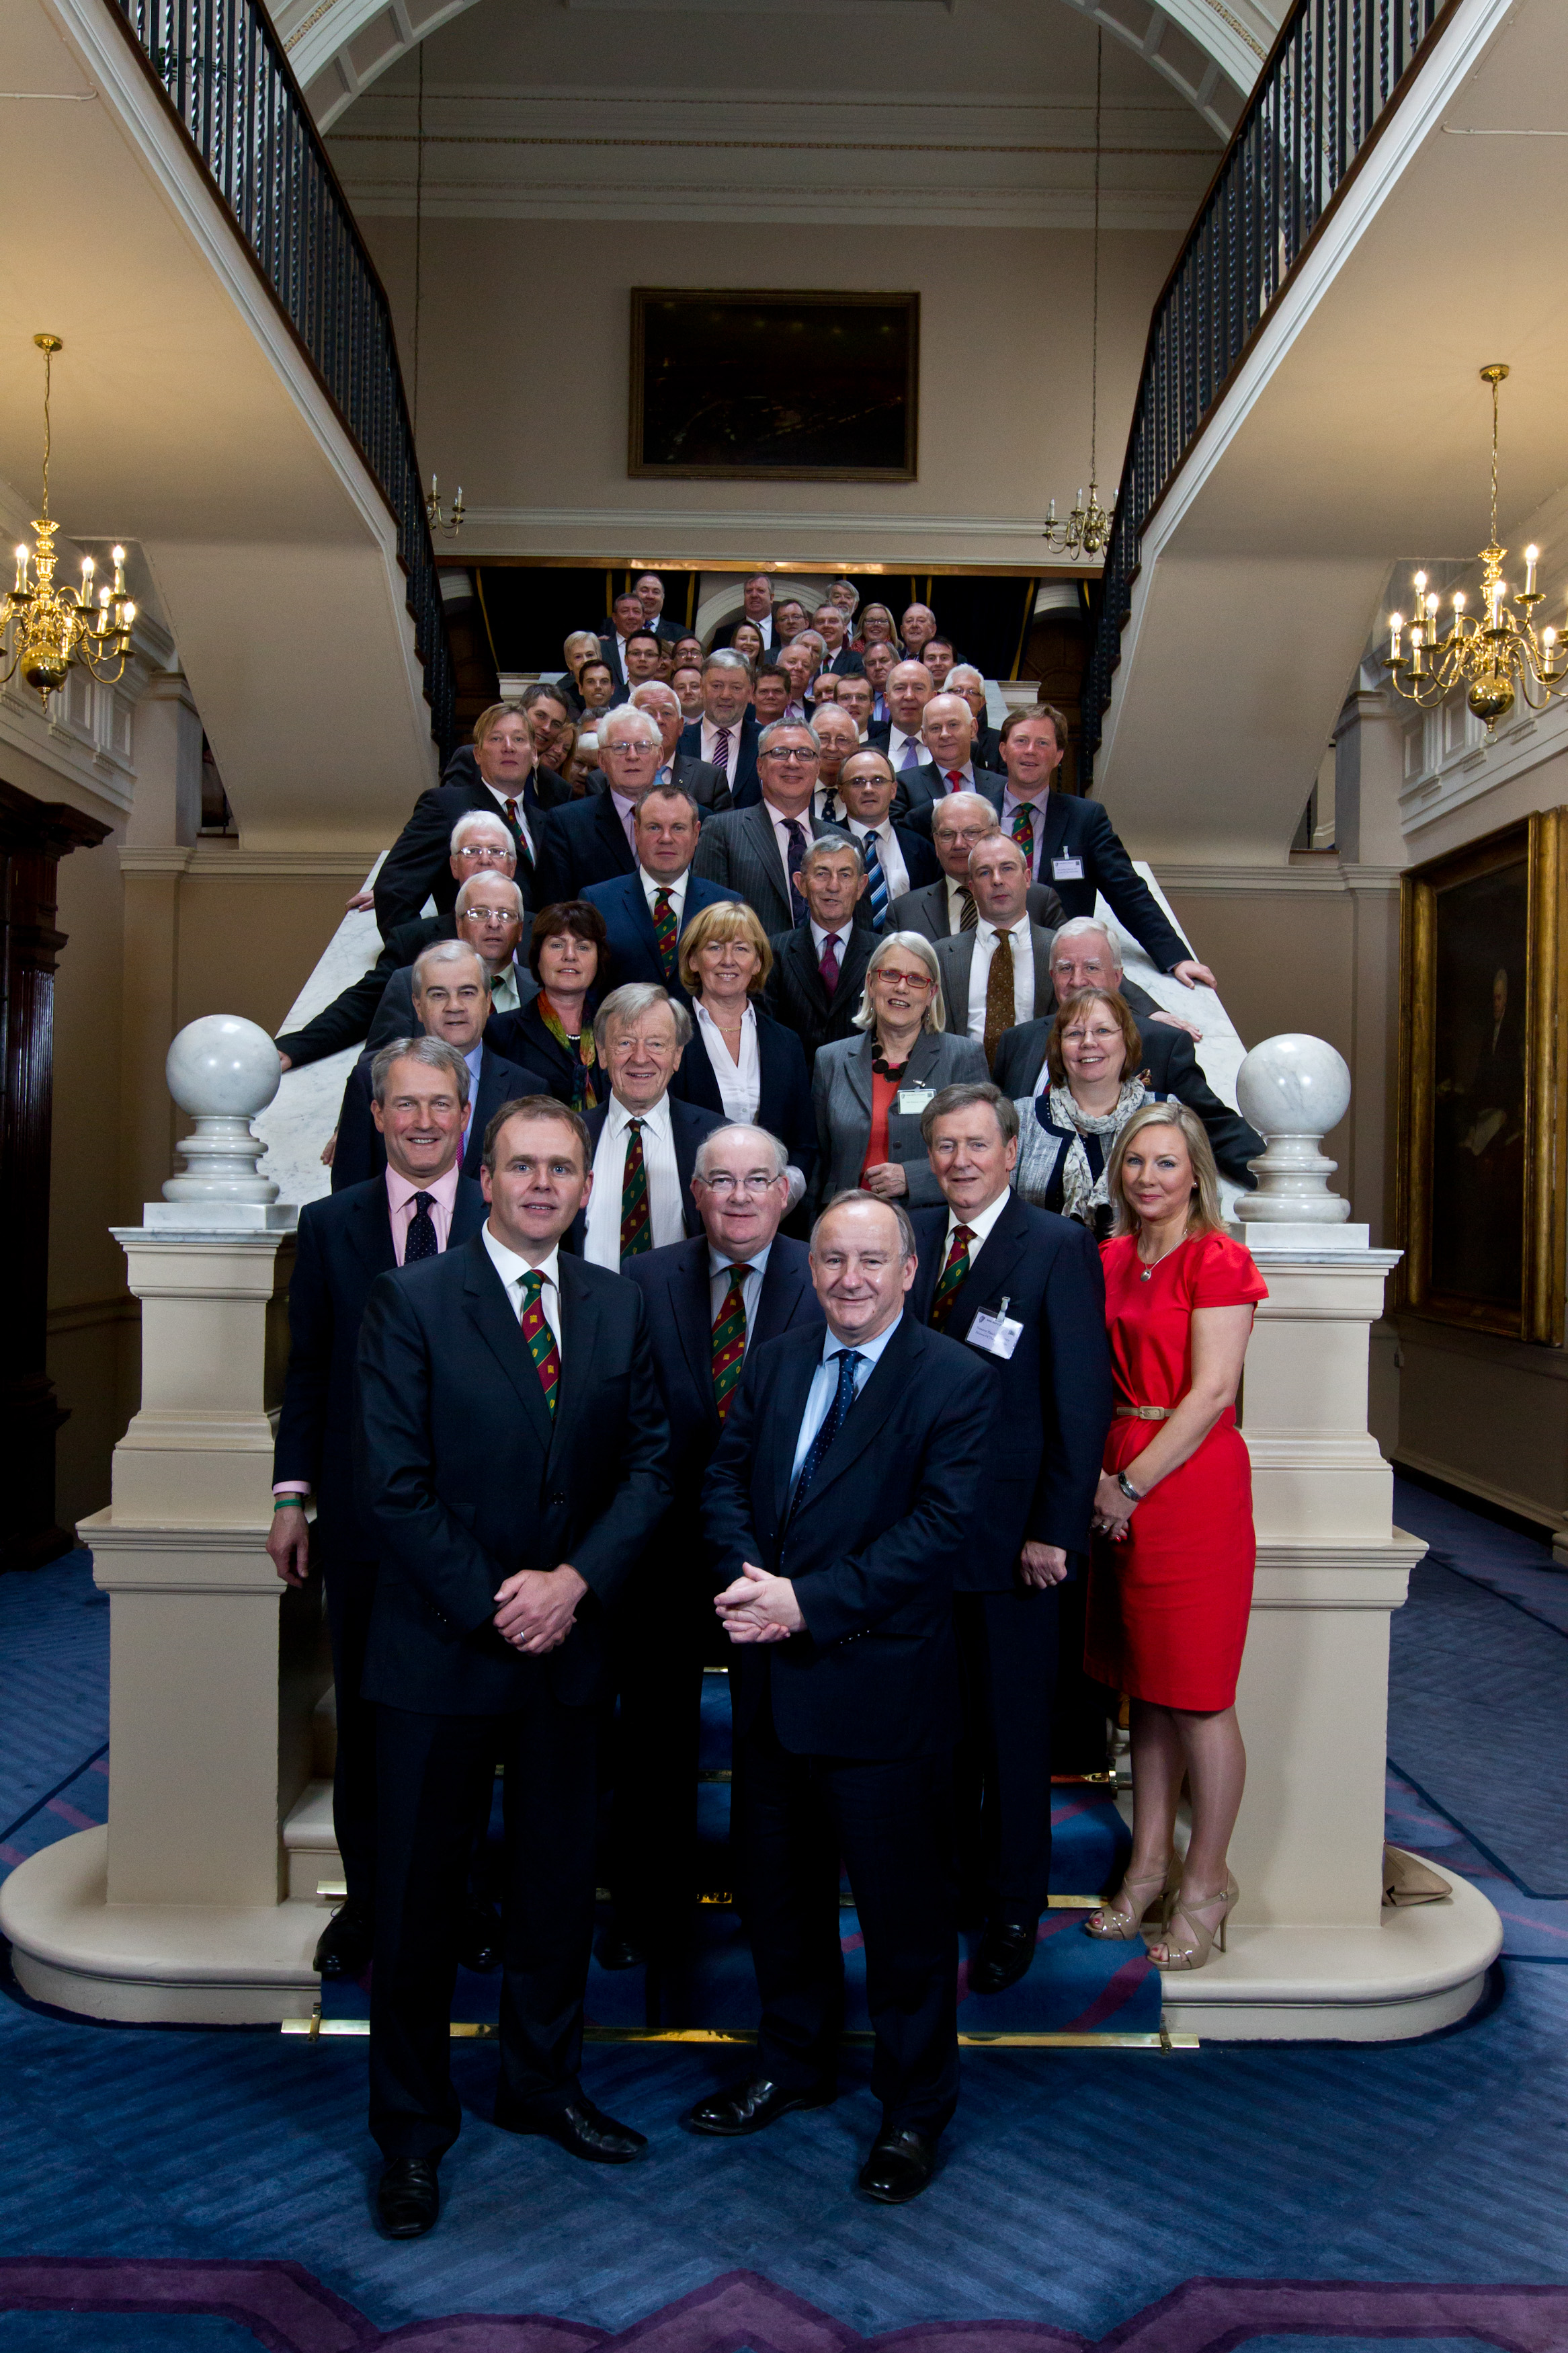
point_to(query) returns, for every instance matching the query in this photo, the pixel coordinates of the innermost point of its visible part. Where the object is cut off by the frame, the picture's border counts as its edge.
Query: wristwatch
(1133, 1494)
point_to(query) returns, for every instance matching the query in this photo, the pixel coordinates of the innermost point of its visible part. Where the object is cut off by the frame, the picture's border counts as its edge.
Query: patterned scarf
(1082, 1193)
(585, 1096)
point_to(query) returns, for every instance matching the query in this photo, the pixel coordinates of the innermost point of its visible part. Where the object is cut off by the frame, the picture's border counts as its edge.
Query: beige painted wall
(525, 354)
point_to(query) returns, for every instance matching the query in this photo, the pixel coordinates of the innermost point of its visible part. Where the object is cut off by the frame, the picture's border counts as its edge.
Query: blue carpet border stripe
(49, 1795)
(1536, 1894)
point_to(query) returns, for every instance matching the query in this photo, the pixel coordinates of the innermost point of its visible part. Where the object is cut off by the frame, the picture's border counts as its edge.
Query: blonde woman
(1171, 1584)
(741, 1062)
(868, 1092)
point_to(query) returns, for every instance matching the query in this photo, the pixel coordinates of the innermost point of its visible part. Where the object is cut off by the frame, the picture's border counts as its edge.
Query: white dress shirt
(665, 1222)
(986, 938)
(751, 1287)
(892, 857)
(980, 1224)
(500, 798)
(505, 996)
(955, 904)
(740, 1083)
(824, 1387)
(781, 825)
(819, 939)
(512, 1271)
(896, 741)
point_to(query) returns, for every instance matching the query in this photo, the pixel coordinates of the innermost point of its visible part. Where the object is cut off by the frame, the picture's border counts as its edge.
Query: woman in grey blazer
(868, 1092)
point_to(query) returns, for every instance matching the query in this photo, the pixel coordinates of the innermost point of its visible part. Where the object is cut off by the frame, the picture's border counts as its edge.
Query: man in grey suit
(756, 852)
(947, 907)
(990, 974)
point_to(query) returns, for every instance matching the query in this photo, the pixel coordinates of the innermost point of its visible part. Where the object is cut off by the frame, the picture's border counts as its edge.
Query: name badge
(998, 1335)
(1067, 870)
(912, 1101)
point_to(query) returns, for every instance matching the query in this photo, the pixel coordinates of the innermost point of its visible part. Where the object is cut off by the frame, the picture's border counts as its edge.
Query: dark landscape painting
(1480, 970)
(737, 386)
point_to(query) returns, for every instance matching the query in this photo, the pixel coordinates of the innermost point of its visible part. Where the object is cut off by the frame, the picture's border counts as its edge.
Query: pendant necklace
(1149, 1269)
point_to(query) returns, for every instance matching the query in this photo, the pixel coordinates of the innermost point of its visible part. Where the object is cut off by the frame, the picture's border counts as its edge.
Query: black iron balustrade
(1318, 102)
(222, 70)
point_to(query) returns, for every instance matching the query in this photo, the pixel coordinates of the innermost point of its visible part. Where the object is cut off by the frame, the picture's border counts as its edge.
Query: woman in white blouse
(741, 1061)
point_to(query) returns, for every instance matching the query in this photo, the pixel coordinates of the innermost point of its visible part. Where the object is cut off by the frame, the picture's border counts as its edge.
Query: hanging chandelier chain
(447, 524)
(1094, 336)
(1085, 530)
(1494, 459)
(48, 359)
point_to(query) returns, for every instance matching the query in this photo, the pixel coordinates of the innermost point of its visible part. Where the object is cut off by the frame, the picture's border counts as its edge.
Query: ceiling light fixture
(47, 628)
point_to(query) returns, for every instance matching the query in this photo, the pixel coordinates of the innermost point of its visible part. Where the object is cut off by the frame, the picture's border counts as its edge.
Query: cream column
(178, 1909)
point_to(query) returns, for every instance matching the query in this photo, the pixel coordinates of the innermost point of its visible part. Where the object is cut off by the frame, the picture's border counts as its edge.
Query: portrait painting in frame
(1481, 1157)
(731, 385)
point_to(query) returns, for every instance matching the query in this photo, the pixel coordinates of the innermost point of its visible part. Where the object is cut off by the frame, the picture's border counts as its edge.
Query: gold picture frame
(1480, 1210)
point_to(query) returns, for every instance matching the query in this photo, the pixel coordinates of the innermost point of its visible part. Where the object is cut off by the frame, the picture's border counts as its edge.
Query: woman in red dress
(1170, 1588)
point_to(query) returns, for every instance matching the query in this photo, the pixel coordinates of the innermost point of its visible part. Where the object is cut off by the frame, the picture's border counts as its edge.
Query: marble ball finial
(1293, 1089)
(224, 1065)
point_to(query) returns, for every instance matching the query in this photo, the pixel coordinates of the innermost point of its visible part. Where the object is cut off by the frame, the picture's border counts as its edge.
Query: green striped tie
(730, 1341)
(953, 1275)
(541, 1339)
(636, 1231)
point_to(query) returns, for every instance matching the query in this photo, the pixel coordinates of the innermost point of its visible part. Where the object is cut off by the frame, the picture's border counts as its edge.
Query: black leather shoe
(899, 2167)
(1006, 1950)
(616, 1950)
(342, 1949)
(479, 1937)
(749, 2106)
(582, 2130)
(409, 2197)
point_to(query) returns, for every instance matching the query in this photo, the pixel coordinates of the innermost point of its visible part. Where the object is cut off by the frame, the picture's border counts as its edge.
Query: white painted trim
(207, 859)
(1225, 881)
(658, 198)
(649, 527)
(1522, 744)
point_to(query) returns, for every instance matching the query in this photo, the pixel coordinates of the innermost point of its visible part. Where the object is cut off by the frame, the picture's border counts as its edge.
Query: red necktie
(828, 968)
(955, 780)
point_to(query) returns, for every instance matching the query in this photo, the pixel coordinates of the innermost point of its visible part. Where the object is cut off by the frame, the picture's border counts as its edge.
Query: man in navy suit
(418, 866)
(710, 1302)
(1023, 1291)
(726, 734)
(511, 1452)
(837, 1509)
(646, 911)
(896, 860)
(419, 1205)
(832, 628)
(452, 1002)
(591, 840)
(644, 1140)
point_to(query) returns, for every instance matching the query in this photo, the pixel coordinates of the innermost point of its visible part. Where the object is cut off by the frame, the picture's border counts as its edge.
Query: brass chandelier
(1088, 528)
(51, 628)
(1496, 658)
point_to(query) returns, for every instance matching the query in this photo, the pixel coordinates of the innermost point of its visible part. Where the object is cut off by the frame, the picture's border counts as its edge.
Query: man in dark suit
(726, 735)
(418, 866)
(988, 1262)
(591, 841)
(909, 689)
(832, 628)
(1001, 970)
(646, 911)
(489, 918)
(649, 590)
(819, 966)
(625, 622)
(946, 907)
(638, 657)
(698, 777)
(644, 1139)
(710, 1301)
(754, 853)
(837, 1510)
(419, 1205)
(452, 1001)
(757, 605)
(511, 1454)
(480, 845)
(897, 861)
(965, 680)
(947, 761)
(1071, 844)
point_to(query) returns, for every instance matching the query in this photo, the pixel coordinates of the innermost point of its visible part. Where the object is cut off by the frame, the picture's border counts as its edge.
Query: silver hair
(463, 902)
(967, 672)
(726, 658)
(915, 944)
(948, 798)
(828, 844)
(471, 821)
(1075, 928)
(856, 1194)
(766, 739)
(741, 1127)
(434, 1052)
(650, 686)
(630, 1002)
(446, 952)
(648, 726)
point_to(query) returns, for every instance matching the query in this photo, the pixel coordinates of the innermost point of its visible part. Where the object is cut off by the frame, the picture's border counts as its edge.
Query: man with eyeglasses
(710, 1302)
(754, 853)
(947, 906)
(490, 920)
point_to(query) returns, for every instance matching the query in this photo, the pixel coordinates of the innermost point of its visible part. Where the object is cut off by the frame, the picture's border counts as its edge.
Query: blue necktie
(421, 1237)
(850, 1363)
(877, 880)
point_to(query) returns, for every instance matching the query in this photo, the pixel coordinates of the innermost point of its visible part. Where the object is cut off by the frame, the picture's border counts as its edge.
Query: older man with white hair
(644, 1139)
(677, 770)
(589, 840)
(490, 919)
(947, 761)
(947, 906)
(909, 689)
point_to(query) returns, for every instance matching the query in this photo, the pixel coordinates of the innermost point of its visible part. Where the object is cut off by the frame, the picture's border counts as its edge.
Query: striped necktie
(664, 931)
(796, 832)
(877, 880)
(850, 1363)
(721, 754)
(637, 1231)
(968, 913)
(541, 1339)
(729, 1340)
(1023, 834)
(952, 1276)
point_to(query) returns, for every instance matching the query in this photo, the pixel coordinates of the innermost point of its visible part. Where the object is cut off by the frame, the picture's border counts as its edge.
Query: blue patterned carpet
(196, 2192)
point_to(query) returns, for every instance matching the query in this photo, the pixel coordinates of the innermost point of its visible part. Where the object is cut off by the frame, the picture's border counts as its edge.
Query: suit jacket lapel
(579, 1325)
(858, 1070)
(957, 959)
(883, 1389)
(491, 1309)
(923, 1054)
(608, 819)
(764, 844)
(689, 1301)
(991, 1267)
(370, 1230)
(783, 1426)
(776, 1299)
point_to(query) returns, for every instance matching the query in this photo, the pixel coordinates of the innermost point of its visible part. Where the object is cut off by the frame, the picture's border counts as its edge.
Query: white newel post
(1313, 1952)
(178, 1910)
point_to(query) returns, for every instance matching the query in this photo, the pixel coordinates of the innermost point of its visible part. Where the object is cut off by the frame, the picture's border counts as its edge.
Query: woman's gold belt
(1145, 1412)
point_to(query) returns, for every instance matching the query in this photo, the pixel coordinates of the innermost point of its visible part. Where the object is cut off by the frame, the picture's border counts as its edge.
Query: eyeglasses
(791, 757)
(892, 979)
(485, 853)
(756, 1184)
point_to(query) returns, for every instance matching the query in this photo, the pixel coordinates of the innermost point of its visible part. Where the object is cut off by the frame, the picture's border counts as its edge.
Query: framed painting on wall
(1481, 1166)
(729, 385)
